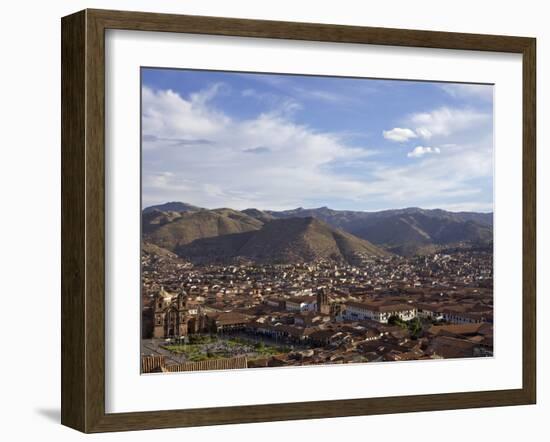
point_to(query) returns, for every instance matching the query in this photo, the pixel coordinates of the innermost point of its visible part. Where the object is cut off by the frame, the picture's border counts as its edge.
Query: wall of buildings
(354, 312)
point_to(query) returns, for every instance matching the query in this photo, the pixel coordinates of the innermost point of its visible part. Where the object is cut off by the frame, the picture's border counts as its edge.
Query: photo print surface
(295, 220)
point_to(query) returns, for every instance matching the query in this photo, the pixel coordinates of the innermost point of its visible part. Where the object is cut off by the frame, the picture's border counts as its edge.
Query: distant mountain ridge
(403, 231)
(173, 206)
(406, 231)
(289, 240)
(171, 230)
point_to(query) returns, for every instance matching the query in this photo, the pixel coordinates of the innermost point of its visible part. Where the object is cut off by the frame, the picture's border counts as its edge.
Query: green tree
(415, 327)
(396, 320)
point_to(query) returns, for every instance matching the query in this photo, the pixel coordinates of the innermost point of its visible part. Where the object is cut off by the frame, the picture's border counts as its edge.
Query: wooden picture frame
(83, 220)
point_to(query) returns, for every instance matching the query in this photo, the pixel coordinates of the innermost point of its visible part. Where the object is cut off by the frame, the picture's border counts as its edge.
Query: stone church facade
(176, 316)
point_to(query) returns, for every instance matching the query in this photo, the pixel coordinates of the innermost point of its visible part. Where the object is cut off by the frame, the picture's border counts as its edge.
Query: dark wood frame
(83, 217)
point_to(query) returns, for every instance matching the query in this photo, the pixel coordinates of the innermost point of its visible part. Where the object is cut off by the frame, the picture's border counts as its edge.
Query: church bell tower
(322, 301)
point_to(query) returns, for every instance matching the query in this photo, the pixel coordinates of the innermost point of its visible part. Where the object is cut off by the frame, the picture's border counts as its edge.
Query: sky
(275, 142)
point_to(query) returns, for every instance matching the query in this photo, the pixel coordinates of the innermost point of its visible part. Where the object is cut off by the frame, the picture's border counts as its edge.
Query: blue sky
(240, 140)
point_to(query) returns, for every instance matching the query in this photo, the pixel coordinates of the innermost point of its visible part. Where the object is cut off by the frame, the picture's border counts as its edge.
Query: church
(175, 315)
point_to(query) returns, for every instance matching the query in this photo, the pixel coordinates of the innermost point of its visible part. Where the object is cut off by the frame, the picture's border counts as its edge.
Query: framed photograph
(268, 220)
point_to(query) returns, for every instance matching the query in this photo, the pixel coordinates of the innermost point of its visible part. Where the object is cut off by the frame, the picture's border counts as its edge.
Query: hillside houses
(324, 313)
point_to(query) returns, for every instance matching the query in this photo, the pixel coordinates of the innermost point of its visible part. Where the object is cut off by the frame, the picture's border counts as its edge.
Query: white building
(360, 311)
(301, 304)
(449, 315)
(455, 317)
(426, 311)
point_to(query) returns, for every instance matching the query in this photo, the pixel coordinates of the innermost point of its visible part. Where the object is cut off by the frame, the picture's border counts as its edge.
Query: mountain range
(302, 235)
(406, 231)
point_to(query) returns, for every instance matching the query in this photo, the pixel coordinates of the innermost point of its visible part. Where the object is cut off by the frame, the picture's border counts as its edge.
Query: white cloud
(399, 134)
(468, 91)
(267, 161)
(287, 86)
(439, 123)
(322, 95)
(278, 104)
(420, 151)
(457, 174)
(424, 132)
(446, 121)
(457, 178)
(203, 96)
(196, 153)
(167, 115)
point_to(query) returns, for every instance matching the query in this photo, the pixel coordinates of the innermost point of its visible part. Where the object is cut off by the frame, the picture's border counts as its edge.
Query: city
(383, 309)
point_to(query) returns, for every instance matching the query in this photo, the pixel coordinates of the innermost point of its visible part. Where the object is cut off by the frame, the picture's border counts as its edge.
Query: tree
(393, 320)
(415, 327)
(396, 320)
